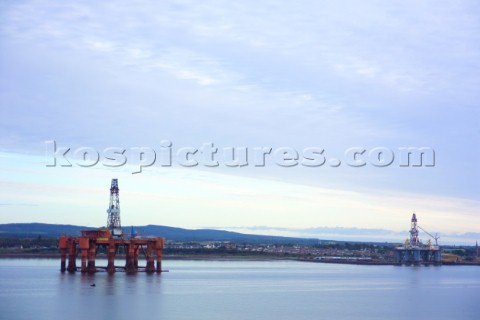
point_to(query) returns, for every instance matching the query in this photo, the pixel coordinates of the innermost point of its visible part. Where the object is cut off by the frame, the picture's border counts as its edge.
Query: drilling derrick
(113, 222)
(414, 240)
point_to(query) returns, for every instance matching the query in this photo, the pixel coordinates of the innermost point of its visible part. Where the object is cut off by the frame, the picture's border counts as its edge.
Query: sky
(155, 76)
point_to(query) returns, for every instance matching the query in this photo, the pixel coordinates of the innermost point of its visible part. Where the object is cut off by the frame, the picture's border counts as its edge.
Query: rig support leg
(129, 264)
(91, 257)
(62, 244)
(72, 256)
(83, 243)
(63, 258)
(111, 257)
(84, 260)
(150, 259)
(136, 250)
(159, 249)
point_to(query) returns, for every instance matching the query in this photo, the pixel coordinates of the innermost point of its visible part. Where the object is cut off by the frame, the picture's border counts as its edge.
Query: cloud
(323, 74)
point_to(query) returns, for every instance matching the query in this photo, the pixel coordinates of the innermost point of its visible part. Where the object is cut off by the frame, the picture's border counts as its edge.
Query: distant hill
(30, 230)
(33, 230)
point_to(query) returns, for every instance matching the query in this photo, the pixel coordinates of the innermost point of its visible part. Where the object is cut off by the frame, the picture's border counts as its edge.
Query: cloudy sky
(330, 75)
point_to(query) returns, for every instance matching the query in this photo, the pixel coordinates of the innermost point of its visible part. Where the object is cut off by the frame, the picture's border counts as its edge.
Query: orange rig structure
(111, 239)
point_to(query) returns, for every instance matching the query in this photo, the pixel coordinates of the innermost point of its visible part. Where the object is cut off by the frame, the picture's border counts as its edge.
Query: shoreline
(240, 258)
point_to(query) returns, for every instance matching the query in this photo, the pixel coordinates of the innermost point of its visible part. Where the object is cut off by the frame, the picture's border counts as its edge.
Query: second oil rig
(415, 252)
(111, 240)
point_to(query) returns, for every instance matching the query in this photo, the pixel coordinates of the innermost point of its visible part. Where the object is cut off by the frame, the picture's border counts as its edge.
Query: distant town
(322, 251)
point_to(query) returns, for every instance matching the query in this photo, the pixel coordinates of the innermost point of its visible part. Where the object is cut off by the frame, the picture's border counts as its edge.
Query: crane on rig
(434, 237)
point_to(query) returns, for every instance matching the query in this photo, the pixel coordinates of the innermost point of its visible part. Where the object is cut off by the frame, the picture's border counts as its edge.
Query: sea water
(36, 289)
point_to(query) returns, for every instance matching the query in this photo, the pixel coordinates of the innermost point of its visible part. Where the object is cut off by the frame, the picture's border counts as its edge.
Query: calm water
(35, 289)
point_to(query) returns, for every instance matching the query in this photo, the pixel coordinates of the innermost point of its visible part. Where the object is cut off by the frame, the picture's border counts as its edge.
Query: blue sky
(328, 74)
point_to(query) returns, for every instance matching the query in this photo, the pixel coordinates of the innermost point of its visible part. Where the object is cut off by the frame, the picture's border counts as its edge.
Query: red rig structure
(112, 240)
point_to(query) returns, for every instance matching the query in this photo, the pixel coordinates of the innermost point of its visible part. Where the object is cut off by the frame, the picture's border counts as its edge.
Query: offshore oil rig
(415, 252)
(112, 240)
